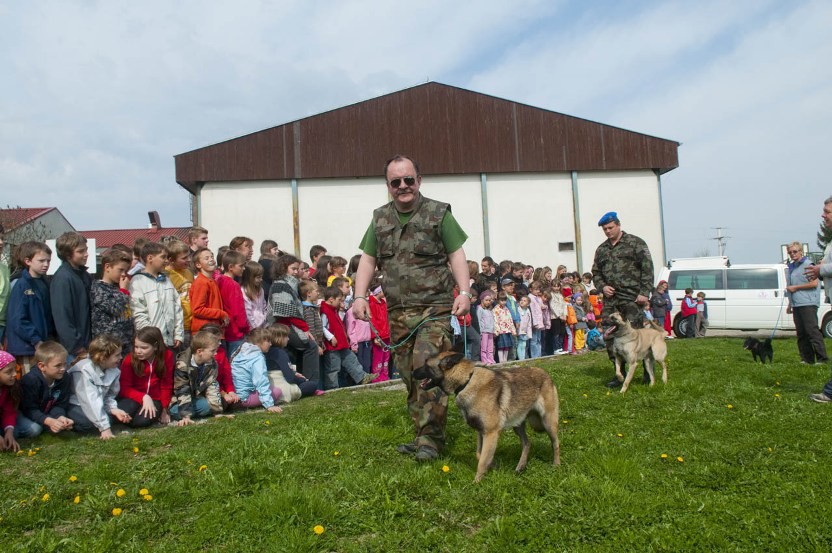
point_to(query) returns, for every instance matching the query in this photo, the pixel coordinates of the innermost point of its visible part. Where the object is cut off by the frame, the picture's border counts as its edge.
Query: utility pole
(720, 240)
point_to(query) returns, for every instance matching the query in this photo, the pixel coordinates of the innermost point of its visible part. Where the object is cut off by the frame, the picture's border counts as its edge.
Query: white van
(739, 297)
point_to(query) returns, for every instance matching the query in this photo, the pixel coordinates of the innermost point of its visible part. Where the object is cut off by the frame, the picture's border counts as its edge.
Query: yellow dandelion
(446, 468)
(777, 383)
(776, 395)
(336, 453)
(318, 529)
(609, 393)
(203, 468)
(730, 406)
(565, 421)
(31, 453)
(117, 512)
(77, 499)
(114, 483)
(586, 396)
(144, 491)
(663, 455)
(135, 450)
(42, 489)
(770, 450)
(45, 497)
(37, 449)
(620, 435)
(73, 478)
(267, 423)
(147, 497)
(121, 492)
(680, 459)
(21, 452)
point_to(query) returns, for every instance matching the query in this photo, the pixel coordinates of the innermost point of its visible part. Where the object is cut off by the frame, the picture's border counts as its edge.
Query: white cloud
(100, 95)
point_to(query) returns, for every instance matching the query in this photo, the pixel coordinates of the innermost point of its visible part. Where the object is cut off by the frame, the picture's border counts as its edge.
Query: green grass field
(747, 468)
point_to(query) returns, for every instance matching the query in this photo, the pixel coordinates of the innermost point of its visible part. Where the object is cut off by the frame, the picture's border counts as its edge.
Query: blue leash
(391, 347)
(779, 312)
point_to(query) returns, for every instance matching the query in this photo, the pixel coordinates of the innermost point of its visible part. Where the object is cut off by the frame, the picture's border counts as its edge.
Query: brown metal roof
(449, 130)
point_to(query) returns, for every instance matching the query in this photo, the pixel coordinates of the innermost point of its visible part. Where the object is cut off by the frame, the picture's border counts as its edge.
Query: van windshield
(698, 279)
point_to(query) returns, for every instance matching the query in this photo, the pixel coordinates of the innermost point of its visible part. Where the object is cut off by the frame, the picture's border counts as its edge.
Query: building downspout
(484, 197)
(296, 217)
(576, 216)
(661, 217)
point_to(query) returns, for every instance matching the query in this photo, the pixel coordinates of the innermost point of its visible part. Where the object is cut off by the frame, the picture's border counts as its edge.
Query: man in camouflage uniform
(417, 245)
(623, 272)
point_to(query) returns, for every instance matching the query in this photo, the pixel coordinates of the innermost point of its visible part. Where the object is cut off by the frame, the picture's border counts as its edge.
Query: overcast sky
(97, 97)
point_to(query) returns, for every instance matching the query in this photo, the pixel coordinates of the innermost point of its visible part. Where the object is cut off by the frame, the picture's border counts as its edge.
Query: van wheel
(680, 327)
(826, 328)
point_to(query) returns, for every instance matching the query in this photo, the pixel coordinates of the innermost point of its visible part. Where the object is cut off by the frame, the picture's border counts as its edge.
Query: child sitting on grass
(251, 379)
(594, 338)
(9, 400)
(292, 384)
(45, 393)
(147, 379)
(195, 387)
(95, 385)
(226, 382)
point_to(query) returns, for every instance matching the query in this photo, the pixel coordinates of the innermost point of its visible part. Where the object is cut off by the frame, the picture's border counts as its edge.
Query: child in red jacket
(233, 264)
(147, 379)
(338, 354)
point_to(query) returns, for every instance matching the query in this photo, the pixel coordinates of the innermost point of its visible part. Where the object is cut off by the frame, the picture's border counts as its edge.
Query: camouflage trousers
(427, 408)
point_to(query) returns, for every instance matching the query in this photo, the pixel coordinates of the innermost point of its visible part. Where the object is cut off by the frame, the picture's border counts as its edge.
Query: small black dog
(760, 349)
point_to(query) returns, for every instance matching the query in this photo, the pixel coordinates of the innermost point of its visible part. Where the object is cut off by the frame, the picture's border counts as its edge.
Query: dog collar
(462, 387)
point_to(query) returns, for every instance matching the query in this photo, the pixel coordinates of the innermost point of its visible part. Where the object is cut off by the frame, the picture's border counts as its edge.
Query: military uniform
(418, 285)
(628, 267)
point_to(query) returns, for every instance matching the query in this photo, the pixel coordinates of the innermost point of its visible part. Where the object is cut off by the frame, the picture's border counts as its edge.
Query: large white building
(525, 183)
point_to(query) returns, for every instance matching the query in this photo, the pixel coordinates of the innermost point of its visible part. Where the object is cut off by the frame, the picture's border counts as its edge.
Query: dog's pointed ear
(450, 360)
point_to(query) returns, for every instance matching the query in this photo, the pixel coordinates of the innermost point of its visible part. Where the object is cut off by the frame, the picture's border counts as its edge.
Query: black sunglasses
(409, 181)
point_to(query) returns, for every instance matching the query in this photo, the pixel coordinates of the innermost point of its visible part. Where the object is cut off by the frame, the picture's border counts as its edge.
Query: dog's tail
(655, 326)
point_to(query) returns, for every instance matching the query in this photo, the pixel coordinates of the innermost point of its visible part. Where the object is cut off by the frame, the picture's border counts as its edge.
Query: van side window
(752, 279)
(698, 279)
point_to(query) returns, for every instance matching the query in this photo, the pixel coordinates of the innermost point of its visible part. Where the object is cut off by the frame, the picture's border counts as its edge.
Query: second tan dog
(631, 345)
(494, 399)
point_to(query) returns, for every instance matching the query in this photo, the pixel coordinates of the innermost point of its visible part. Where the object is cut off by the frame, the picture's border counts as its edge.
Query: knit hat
(5, 358)
(486, 294)
(576, 296)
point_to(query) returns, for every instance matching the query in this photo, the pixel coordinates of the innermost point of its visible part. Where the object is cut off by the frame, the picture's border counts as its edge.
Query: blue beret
(608, 217)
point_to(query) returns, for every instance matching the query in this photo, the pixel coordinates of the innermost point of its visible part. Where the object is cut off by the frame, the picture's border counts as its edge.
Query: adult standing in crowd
(623, 272)
(824, 271)
(417, 244)
(804, 299)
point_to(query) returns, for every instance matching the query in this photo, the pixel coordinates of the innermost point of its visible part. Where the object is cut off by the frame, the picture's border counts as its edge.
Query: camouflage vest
(412, 256)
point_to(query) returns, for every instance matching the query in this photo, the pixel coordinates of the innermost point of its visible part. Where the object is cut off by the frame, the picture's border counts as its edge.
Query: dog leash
(391, 347)
(779, 313)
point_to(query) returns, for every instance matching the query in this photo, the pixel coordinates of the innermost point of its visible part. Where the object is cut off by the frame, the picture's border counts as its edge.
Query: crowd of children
(169, 333)
(523, 313)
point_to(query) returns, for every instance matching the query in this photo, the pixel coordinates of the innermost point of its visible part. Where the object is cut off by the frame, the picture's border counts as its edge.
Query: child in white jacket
(95, 385)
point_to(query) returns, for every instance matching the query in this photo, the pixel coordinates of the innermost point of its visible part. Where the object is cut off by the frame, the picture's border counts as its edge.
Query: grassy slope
(754, 476)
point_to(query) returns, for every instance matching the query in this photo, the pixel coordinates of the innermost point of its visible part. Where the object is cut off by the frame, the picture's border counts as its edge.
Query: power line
(720, 239)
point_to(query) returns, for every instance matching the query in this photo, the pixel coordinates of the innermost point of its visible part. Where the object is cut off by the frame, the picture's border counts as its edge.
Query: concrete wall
(634, 195)
(529, 214)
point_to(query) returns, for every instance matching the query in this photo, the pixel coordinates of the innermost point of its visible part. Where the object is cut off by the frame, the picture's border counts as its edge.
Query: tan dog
(631, 345)
(494, 399)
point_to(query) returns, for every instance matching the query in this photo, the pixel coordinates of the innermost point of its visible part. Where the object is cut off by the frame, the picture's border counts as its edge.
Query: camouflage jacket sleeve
(182, 391)
(646, 262)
